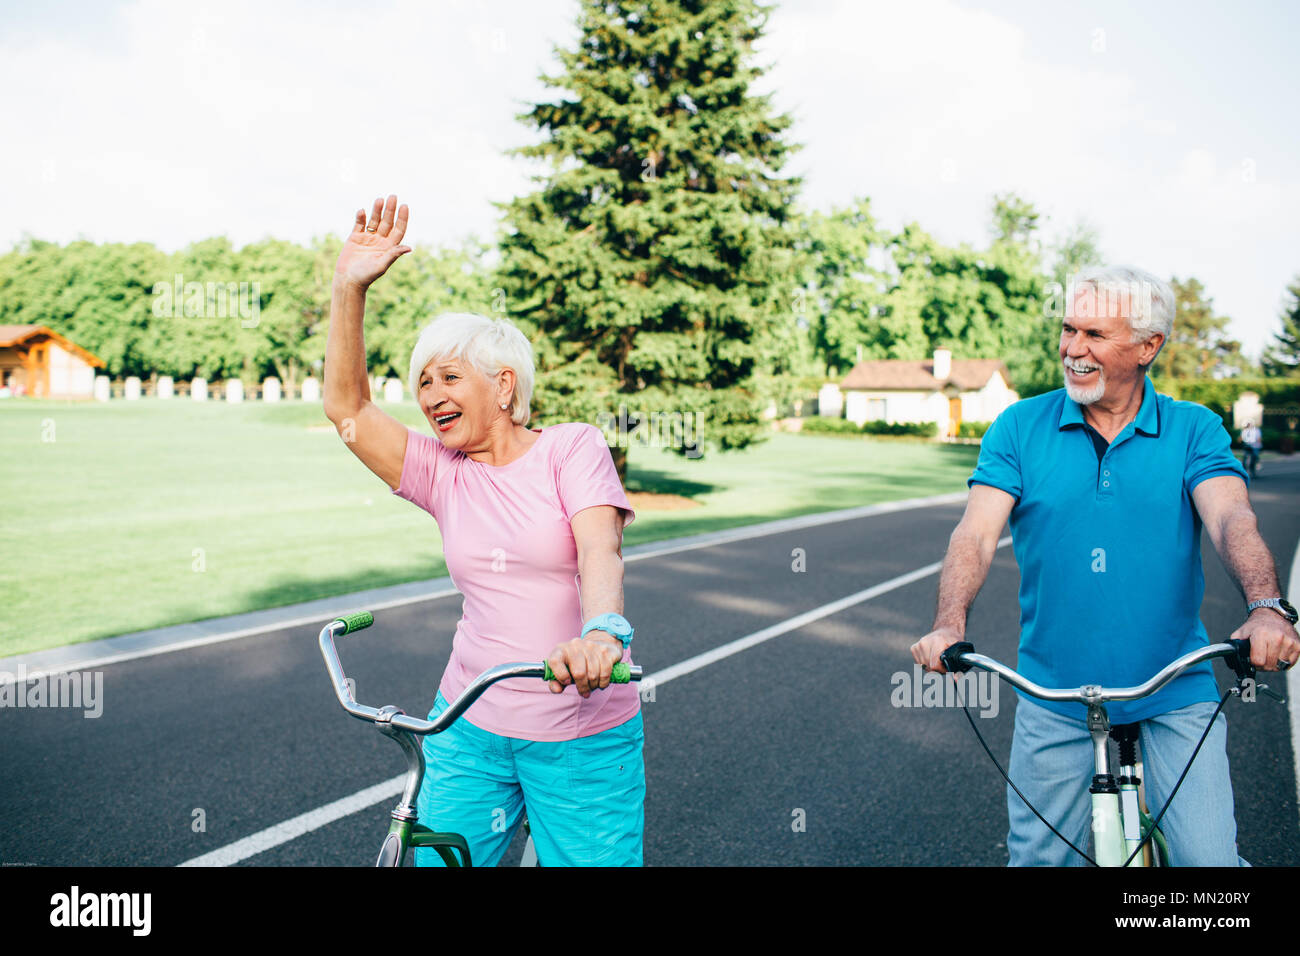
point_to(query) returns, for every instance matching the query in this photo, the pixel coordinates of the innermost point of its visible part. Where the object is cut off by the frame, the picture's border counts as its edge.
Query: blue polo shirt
(1109, 548)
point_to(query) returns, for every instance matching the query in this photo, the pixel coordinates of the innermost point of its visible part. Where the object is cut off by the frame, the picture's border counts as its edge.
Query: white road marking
(315, 819)
(304, 823)
(794, 623)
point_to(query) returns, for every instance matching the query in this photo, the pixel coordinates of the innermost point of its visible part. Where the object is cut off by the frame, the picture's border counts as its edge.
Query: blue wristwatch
(615, 625)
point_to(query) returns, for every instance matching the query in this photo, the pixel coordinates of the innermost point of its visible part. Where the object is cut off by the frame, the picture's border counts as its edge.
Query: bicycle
(405, 831)
(1121, 826)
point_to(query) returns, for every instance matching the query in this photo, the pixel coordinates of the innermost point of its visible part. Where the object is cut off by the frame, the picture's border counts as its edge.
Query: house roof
(15, 335)
(970, 375)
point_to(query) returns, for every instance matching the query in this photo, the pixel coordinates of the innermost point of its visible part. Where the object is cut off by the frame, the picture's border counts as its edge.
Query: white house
(927, 390)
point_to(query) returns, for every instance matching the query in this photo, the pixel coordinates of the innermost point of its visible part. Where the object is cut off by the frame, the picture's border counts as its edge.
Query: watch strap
(1275, 604)
(615, 625)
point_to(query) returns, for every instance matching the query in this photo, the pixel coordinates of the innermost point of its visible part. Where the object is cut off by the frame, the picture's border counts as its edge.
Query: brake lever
(1245, 671)
(1271, 693)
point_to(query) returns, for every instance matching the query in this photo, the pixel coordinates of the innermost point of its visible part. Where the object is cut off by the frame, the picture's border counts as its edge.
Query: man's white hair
(1150, 299)
(488, 345)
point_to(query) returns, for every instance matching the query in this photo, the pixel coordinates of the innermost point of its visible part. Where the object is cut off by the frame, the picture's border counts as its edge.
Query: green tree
(292, 287)
(1014, 219)
(429, 282)
(96, 295)
(846, 309)
(652, 268)
(1077, 249)
(1282, 355)
(979, 303)
(1199, 346)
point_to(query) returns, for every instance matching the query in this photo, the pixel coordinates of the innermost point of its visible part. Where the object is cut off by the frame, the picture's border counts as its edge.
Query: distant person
(1252, 439)
(532, 526)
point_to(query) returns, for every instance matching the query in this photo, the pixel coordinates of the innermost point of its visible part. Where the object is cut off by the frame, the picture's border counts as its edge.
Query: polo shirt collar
(1148, 416)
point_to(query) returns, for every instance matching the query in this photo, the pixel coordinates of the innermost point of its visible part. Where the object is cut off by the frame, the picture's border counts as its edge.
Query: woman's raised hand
(374, 246)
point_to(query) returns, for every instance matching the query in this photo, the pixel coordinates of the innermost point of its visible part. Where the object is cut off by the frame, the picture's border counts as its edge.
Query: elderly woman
(532, 523)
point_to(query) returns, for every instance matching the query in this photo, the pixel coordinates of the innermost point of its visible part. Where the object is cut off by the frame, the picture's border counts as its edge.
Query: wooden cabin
(37, 361)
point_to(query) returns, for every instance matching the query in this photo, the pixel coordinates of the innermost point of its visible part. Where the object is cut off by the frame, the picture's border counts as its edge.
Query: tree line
(663, 261)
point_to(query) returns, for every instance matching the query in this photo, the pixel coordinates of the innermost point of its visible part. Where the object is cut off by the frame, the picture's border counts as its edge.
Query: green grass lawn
(124, 516)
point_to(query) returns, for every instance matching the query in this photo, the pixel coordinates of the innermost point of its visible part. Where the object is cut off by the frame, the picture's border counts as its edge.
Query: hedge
(972, 429)
(842, 426)
(920, 429)
(829, 426)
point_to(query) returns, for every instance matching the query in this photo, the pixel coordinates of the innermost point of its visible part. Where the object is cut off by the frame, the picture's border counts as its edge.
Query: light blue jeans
(1052, 764)
(585, 797)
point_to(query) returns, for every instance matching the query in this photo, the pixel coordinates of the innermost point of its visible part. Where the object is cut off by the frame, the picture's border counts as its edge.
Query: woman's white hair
(1151, 301)
(489, 345)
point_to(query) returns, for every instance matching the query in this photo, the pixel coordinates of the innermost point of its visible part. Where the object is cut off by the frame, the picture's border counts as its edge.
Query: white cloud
(930, 109)
(251, 119)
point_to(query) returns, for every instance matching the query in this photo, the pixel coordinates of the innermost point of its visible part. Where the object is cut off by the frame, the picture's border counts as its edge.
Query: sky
(1167, 127)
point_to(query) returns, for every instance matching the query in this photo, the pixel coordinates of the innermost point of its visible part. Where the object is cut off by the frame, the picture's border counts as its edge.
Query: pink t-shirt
(510, 552)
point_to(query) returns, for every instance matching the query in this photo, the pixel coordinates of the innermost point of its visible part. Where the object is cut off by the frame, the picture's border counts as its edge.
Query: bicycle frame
(405, 830)
(1120, 824)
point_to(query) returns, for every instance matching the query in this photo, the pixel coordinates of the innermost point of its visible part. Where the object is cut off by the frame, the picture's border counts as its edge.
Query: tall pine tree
(1282, 355)
(652, 267)
(1199, 346)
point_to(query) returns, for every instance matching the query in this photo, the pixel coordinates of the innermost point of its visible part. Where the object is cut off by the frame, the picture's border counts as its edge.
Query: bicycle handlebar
(961, 657)
(622, 674)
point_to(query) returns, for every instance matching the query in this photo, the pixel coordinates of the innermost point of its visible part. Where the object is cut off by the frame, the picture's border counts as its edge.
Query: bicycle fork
(1108, 837)
(1134, 813)
(1117, 811)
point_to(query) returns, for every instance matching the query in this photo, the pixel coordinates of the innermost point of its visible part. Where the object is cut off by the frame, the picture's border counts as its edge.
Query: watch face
(621, 628)
(1289, 610)
(618, 626)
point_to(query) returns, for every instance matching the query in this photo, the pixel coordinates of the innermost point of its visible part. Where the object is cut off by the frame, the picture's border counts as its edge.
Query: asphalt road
(788, 753)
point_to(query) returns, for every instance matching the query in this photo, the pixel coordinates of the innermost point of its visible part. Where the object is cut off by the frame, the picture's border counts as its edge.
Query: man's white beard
(1086, 396)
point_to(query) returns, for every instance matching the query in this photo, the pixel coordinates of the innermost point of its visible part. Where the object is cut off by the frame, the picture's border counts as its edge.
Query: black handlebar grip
(1240, 662)
(951, 657)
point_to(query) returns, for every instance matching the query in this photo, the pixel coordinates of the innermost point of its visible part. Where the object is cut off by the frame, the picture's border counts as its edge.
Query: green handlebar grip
(355, 622)
(620, 674)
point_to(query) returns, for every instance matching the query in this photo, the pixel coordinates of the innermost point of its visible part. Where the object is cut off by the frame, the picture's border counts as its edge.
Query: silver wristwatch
(1280, 605)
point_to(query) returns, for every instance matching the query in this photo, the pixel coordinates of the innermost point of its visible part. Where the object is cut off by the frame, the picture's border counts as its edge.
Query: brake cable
(1155, 823)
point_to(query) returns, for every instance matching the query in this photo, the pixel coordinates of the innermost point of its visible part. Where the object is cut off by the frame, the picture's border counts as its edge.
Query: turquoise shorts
(585, 798)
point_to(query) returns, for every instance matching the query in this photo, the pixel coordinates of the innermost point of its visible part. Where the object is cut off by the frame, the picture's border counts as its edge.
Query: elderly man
(1107, 485)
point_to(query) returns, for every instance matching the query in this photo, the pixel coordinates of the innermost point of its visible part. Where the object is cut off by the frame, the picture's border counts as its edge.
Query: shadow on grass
(661, 483)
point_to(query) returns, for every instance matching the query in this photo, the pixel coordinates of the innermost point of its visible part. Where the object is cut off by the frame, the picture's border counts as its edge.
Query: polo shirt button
(1108, 474)
(1105, 484)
